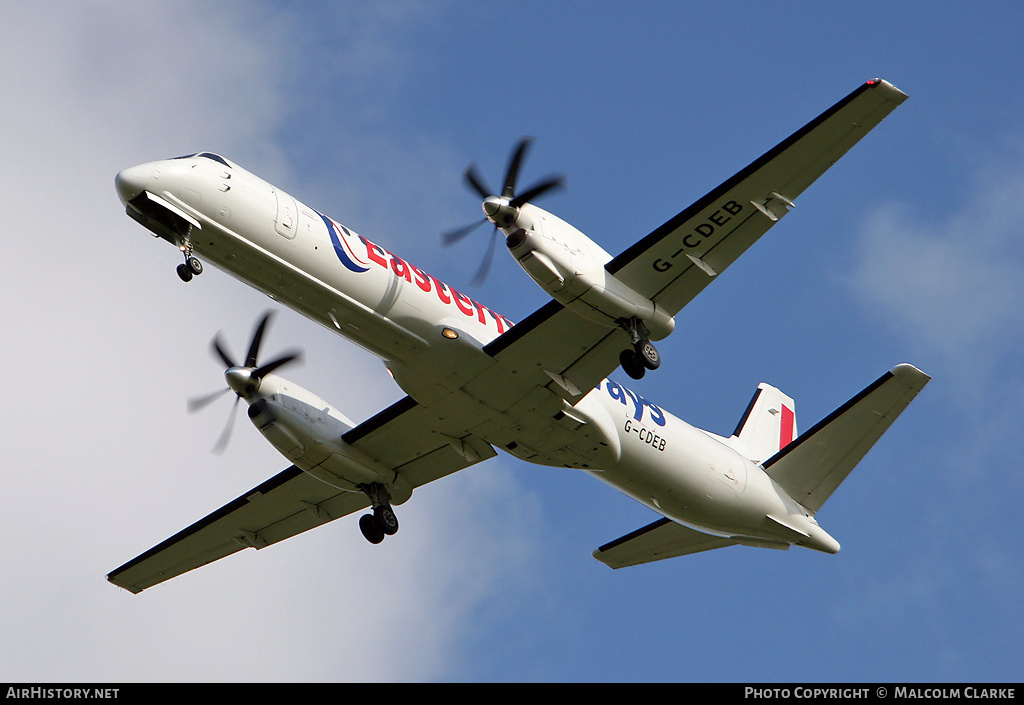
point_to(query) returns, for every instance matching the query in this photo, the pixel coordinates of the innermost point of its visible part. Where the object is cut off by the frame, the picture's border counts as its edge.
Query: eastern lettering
(464, 303)
(427, 283)
(422, 279)
(400, 267)
(375, 253)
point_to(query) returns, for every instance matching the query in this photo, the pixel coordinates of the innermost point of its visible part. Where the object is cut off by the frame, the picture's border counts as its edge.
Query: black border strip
(378, 420)
(632, 535)
(520, 329)
(746, 414)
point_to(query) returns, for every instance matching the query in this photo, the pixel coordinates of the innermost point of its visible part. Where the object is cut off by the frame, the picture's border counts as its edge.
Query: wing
(812, 467)
(293, 501)
(674, 263)
(657, 541)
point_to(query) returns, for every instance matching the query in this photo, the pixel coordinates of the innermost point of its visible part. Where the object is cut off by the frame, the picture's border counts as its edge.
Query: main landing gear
(382, 521)
(192, 266)
(643, 355)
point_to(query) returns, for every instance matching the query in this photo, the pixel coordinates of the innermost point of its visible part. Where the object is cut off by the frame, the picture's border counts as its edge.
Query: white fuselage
(303, 259)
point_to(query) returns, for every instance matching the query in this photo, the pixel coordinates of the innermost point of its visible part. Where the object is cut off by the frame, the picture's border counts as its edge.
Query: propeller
(243, 380)
(502, 210)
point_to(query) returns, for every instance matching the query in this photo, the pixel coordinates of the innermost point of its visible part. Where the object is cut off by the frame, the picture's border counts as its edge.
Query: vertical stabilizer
(768, 425)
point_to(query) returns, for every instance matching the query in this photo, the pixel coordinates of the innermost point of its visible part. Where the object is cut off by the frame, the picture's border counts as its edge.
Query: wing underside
(293, 501)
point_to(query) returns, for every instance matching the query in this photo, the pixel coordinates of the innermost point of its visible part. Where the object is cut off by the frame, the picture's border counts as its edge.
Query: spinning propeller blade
(197, 403)
(244, 380)
(508, 196)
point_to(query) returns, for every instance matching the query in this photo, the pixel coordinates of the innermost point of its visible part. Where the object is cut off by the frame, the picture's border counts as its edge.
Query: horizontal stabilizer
(654, 542)
(810, 468)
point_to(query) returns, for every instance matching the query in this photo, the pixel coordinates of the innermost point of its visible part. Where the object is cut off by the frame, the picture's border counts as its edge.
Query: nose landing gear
(192, 266)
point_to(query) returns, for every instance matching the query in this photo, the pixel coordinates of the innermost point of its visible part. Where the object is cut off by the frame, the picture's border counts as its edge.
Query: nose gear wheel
(192, 266)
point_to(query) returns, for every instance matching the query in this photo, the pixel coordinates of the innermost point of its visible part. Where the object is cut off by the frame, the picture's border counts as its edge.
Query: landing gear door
(287, 220)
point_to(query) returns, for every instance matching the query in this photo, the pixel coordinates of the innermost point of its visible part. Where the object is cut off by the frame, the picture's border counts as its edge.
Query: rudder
(767, 426)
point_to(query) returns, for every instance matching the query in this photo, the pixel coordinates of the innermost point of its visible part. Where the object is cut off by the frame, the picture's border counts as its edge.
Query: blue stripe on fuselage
(339, 249)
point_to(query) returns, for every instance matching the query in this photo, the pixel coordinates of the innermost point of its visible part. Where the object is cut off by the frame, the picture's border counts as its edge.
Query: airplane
(539, 389)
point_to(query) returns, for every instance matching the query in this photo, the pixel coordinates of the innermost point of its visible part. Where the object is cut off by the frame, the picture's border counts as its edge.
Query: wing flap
(657, 541)
(816, 463)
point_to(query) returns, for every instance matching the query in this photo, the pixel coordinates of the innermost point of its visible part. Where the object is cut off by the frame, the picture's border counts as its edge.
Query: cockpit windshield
(207, 155)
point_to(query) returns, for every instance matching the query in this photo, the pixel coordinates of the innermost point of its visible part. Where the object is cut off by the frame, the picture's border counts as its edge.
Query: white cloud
(951, 280)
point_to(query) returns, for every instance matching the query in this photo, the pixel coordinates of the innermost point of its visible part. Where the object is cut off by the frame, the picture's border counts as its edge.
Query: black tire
(195, 265)
(648, 355)
(631, 363)
(184, 273)
(385, 516)
(372, 529)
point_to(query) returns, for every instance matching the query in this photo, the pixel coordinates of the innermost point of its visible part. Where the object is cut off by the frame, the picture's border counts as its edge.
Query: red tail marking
(786, 427)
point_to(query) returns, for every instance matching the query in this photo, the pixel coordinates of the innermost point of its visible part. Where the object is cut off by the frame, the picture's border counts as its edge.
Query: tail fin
(768, 425)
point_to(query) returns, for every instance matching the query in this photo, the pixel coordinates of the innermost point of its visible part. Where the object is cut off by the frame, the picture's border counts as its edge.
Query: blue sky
(908, 250)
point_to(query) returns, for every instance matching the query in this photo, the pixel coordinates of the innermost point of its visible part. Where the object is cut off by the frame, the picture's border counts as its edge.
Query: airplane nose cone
(132, 181)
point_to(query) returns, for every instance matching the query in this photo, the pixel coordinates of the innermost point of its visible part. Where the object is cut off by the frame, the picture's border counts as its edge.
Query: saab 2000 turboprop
(538, 390)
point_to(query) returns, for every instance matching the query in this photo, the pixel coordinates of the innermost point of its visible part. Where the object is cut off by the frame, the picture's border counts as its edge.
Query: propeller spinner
(502, 210)
(243, 380)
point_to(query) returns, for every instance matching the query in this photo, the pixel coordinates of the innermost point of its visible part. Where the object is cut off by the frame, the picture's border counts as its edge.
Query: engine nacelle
(570, 267)
(308, 432)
